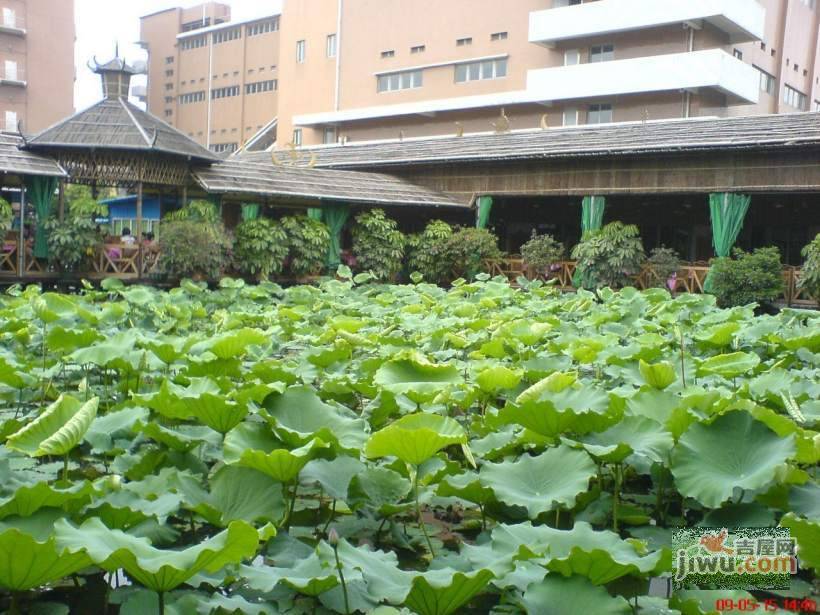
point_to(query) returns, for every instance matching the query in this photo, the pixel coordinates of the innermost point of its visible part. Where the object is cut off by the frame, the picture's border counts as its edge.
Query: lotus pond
(352, 447)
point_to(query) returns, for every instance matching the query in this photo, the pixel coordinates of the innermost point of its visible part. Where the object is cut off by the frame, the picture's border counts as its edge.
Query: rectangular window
(476, 71)
(226, 92)
(418, 49)
(599, 114)
(329, 136)
(9, 18)
(795, 98)
(498, 36)
(196, 24)
(261, 86)
(169, 112)
(169, 73)
(300, 51)
(169, 87)
(11, 120)
(767, 81)
(389, 53)
(11, 70)
(169, 100)
(221, 148)
(231, 34)
(602, 53)
(817, 105)
(297, 137)
(808, 3)
(262, 27)
(572, 57)
(738, 54)
(169, 60)
(463, 42)
(193, 43)
(191, 97)
(331, 46)
(405, 80)
(570, 117)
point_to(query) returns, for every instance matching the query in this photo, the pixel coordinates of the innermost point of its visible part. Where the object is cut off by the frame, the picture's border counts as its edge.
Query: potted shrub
(810, 275)
(424, 251)
(6, 216)
(749, 277)
(194, 242)
(308, 241)
(468, 249)
(609, 257)
(72, 241)
(378, 245)
(541, 253)
(260, 247)
(664, 263)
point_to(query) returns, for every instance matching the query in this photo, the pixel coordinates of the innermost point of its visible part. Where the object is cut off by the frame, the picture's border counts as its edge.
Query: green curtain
(335, 216)
(592, 213)
(40, 193)
(250, 211)
(485, 206)
(728, 212)
(314, 213)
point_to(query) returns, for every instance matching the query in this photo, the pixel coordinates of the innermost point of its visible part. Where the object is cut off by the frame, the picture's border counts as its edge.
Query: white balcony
(742, 20)
(12, 74)
(710, 69)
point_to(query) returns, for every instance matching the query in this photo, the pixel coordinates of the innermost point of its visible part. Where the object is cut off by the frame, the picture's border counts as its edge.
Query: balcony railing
(12, 75)
(12, 23)
(742, 20)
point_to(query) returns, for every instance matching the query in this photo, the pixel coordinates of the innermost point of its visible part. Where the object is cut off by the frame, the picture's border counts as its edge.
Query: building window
(169, 87)
(767, 82)
(169, 73)
(220, 148)
(487, 69)
(297, 137)
(223, 36)
(169, 112)
(11, 120)
(330, 46)
(405, 80)
(738, 54)
(794, 98)
(194, 42)
(389, 53)
(9, 18)
(263, 27)
(498, 36)
(762, 46)
(196, 24)
(191, 97)
(300, 51)
(571, 117)
(226, 92)
(329, 136)
(418, 49)
(572, 57)
(169, 60)
(808, 3)
(599, 114)
(463, 42)
(817, 105)
(11, 73)
(261, 86)
(169, 100)
(602, 53)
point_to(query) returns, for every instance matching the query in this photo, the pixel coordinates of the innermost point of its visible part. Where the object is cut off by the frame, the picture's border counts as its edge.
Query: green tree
(609, 257)
(378, 245)
(749, 277)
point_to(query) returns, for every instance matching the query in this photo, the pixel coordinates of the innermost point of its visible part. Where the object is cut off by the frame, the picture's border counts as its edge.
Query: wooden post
(139, 230)
(184, 196)
(21, 250)
(61, 201)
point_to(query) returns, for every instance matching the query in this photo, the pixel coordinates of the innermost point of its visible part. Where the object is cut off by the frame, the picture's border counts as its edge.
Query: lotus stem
(331, 517)
(616, 492)
(682, 364)
(161, 596)
(422, 526)
(65, 467)
(291, 507)
(335, 544)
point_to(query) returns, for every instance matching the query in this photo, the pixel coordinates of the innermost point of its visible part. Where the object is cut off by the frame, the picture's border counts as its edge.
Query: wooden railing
(690, 278)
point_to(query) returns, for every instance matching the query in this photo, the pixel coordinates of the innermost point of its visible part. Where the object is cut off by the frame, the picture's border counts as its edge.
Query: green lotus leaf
(309, 576)
(239, 493)
(739, 515)
(729, 365)
(24, 500)
(182, 438)
(169, 400)
(443, 591)
(157, 569)
(659, 375)
(64, 340)
(556, 595)
(498, 378)
(541, 483)
(805, 500)
(379, 489)
(105, 429)
(807, 535)
(123, 510)
(13, 377)
(415, 438)
(567, 411)
(554, 383)
(116, 351)
(57, 430)
(215, 411)
(733, 452)
(645, 438)
(334, 476)
(299, 415)
(231, 345)
(416, 377)
(719, 335)
(466, 486)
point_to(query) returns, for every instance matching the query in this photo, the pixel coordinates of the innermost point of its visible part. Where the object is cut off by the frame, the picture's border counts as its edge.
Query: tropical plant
(749, 277)
(609, 257)
(71, 241)
(664, 263)
(467, 251)
(204, 211)
(194, 247)
(425, 250)
(810, 274)
(541, 252)
(260, 247)
(308, 241)
(6, 215)
(378, 245)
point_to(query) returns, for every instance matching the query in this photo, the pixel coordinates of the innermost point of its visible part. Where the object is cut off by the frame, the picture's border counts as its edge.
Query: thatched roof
(16, 162)
(260, 177)
(769, 132)
(116, 124)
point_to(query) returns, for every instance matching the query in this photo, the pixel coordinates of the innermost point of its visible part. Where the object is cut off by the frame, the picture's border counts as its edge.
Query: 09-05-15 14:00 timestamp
(767, 605)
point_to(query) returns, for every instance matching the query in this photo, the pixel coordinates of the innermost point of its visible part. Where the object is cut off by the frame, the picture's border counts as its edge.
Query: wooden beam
(139, 230)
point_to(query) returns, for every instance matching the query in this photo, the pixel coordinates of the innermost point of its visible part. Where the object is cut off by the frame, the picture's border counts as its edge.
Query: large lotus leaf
(298, 415)
(379, 489)
(807, 535)
(729, 365)
(415, 438)
(181, 438)
(547, 386)
(556, 595)
(216, 411)
(719, 335)
(244, 494)
(105, 429)
(733, 452)
(253, 446)
(498, 378)
(57, 430)
(567, 411)
(157, 569)
(309, 576)
(117, 351)
(24, 500)
(657, 375)
(739, 515)
(417, 377)
(466, 486)
(805, 500)
(125, 509)
(14, 378)
(542, 483)
(334, 476)
(232, 344)
(645, 438)
(169, 400)
(64, 340)
(443, 591)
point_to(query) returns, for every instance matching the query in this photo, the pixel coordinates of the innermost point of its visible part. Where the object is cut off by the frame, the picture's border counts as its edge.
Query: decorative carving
(502, 124)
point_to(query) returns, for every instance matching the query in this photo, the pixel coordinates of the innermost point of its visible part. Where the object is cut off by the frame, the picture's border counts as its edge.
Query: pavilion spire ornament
(294, 158)
(115, 75)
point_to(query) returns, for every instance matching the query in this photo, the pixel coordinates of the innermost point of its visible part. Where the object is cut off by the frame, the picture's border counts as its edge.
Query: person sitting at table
(127, 238)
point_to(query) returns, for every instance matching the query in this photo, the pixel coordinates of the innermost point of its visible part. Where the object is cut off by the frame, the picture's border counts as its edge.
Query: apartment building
(361, 70)
(36, 63)
(214, 79)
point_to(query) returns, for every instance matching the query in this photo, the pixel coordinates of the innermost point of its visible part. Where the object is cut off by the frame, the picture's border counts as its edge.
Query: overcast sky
(101, 24)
